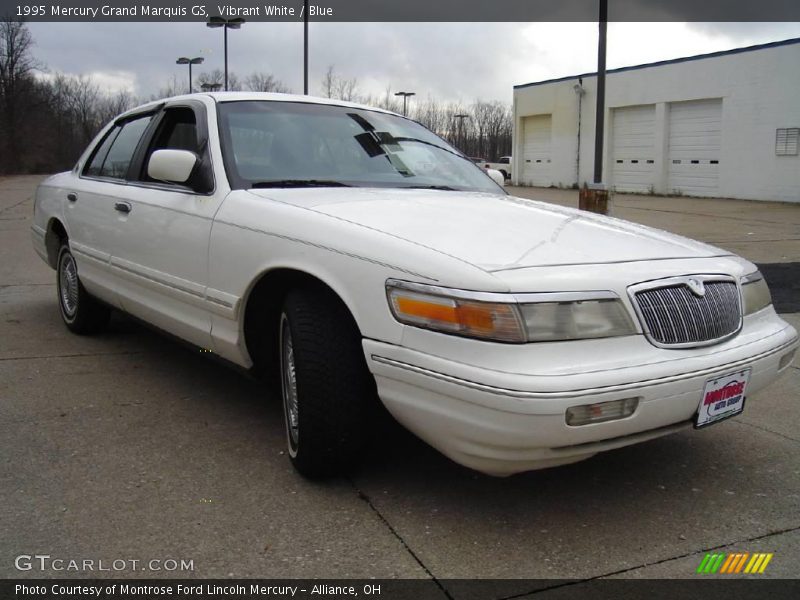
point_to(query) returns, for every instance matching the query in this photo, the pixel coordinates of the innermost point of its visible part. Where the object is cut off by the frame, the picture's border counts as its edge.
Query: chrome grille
(673, 315)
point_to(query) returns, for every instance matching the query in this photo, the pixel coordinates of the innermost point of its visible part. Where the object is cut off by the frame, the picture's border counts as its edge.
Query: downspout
(578, 157)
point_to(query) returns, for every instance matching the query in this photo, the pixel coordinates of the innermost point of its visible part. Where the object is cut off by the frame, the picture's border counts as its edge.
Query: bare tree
(16, 84)
(430, 114)
(111, 106)
(340, 88)
(47, 119)
(347, 90)
(217, 77)
(329, 82)
(83, 99)
(265, 82)
(389, 101)
(173, 87)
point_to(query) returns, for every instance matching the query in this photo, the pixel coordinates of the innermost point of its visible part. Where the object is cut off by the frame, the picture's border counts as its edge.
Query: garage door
(633, 167)
(695, 139)
(536, 151)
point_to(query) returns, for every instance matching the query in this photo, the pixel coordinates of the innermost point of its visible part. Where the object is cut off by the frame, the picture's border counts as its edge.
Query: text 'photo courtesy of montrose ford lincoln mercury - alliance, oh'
(351, 257)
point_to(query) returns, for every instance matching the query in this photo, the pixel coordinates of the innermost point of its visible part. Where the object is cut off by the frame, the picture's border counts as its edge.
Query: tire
(81, 312)
(327, 391)
(505, 175)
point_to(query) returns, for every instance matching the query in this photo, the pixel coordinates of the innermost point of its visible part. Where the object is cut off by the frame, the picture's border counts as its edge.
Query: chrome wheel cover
(291, 409)
(68, 285)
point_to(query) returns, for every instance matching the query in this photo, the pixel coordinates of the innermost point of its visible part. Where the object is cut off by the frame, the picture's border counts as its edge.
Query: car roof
(251, 96)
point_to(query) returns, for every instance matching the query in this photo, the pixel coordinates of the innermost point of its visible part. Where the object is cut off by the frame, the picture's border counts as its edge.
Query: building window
(787, 141)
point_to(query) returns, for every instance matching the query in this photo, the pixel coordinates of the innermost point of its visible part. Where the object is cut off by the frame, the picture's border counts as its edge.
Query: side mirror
(175, 166)
(496, 176)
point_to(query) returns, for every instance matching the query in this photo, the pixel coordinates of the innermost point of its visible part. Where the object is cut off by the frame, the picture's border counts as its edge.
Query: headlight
(755, 293)
(521, 318)
(578, 320)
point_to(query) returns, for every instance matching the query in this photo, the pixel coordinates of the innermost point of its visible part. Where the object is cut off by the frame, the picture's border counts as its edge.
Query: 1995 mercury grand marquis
(352, 255)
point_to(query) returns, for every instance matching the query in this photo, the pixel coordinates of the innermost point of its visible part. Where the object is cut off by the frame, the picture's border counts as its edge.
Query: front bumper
(504, 422)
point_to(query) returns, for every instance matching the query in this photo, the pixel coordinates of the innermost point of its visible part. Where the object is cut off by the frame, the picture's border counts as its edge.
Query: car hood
(494, 232)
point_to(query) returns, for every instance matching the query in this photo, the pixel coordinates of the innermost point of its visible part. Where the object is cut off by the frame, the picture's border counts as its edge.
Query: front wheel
(80, 311)
(328, 393)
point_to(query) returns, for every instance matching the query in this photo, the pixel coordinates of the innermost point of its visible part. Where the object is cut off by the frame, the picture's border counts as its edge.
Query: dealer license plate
(723, 397)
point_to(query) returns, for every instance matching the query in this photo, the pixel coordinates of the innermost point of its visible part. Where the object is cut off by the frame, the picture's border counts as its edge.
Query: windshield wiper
(445, 188)
(296, 183)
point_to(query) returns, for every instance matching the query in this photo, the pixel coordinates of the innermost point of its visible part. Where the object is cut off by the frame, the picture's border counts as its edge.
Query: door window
(118, 157)
(177, 131)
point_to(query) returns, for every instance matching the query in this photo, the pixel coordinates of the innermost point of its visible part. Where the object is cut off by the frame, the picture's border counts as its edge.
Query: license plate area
(723, 397)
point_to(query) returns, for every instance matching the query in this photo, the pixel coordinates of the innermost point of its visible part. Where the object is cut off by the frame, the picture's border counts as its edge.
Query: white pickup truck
(503, 165)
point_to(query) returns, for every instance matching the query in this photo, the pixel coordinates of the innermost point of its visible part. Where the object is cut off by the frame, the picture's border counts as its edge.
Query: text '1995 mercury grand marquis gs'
(353, 256)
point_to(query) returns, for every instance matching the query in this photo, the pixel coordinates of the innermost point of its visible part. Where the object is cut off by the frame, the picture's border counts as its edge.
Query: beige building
(725, 124)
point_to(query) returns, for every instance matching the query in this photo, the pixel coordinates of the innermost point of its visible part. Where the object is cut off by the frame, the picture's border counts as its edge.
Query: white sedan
(351, 256)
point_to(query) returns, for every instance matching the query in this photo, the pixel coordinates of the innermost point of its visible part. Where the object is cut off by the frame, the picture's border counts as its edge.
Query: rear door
(162, 251)
(89, 211)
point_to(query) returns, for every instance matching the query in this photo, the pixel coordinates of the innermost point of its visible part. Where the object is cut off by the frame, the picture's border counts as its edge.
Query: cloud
(110, 82)
(448, 61)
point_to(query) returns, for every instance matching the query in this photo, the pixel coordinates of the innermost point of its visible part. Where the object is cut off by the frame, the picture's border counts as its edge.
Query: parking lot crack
(657, 562)
(79, 355)
(393, 531)
(13, 206)
(753, 425)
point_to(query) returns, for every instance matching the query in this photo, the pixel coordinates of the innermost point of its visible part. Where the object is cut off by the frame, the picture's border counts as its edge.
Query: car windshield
(298, 144)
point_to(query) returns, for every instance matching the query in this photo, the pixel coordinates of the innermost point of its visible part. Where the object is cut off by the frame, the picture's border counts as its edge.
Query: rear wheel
(80, 311)
(327, 391)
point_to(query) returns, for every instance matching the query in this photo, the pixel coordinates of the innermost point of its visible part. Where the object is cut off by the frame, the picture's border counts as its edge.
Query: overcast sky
(448, 61)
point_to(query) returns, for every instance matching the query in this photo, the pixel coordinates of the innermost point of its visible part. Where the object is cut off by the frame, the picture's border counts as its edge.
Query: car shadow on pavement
(194, 424)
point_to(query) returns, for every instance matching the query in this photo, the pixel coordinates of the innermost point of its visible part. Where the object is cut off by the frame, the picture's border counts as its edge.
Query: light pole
(600, 111)
(214, 23)
(305, 47)
(183, 60)
(594, 197)
(461, 118)
(405, 96)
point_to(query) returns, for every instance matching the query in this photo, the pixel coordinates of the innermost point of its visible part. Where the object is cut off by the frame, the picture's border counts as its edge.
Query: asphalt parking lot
(128, 445)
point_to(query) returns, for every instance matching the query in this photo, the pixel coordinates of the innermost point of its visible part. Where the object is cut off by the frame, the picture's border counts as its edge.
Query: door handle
(72, 197)
(123, 207)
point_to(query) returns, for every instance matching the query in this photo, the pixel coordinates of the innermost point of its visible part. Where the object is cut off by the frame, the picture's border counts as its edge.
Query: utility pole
(594, 197)
(305, 47)
(600, 114)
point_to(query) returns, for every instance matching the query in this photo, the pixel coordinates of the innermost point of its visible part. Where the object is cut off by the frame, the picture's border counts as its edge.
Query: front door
(162, 251)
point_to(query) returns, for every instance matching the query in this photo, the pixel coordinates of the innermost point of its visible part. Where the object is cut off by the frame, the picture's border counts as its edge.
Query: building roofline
(671, 61)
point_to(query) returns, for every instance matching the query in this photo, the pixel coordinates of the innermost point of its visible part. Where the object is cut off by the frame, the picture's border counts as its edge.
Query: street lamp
(190, 61)
(405, 96)
(461, 118)
(236, 23)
